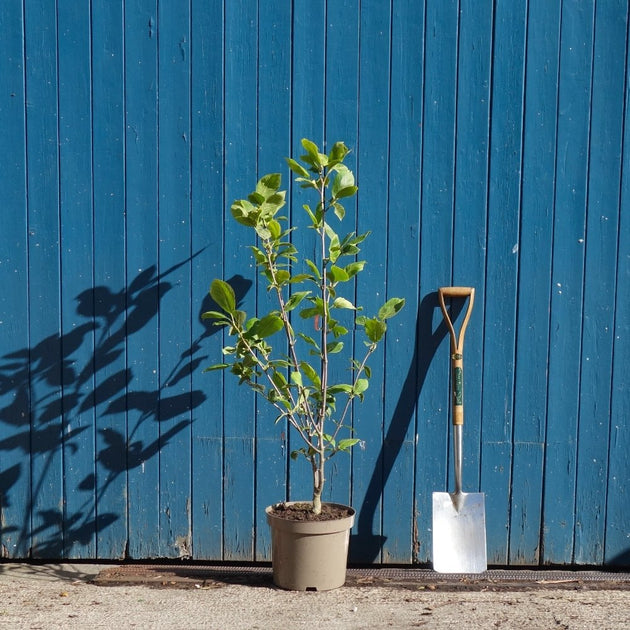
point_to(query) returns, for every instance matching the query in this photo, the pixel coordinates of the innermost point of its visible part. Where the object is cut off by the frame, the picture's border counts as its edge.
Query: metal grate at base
(509, 575)
(212, 576)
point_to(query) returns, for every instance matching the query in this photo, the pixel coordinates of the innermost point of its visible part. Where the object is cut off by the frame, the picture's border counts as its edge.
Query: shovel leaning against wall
(459, 518)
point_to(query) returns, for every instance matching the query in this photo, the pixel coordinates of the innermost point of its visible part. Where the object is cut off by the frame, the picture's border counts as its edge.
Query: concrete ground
(191, 596)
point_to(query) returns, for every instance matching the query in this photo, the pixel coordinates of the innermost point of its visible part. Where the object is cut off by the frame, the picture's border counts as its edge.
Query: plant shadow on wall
(50, 388)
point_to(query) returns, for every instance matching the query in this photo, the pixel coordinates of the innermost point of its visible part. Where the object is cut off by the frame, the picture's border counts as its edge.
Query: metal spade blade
(459, 533)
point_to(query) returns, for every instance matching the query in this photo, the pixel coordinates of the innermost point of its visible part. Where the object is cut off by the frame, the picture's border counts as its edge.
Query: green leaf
(348, 191)
(334, 347)
(287, 249)
(240, 317)
(295, 299)
(282, 276)
(244, 212)
(255, 198)
(268, 184)
(374, 329)
(279, 363)
(223, 294)
(275, 229)
(279, 379)
(296, 378)
(311, 373)
(263, 232)
(350, 242)
(313, 218)
(297, 168)
(313, 267)
(313, 311)
(269, 208)
(340, 388)
(310, 146)
(309, 340)
(330, 233)
(360, 386)
(215, 315)
(306, 183)
(313, 156)
(267, 326)
(390, 308)
(334, 249)
(337, 274)
(338, 152)
(343, 180)
(354, 268)
(259, 255)
(218, 366)
(338, 330)
(301, 277)
(347, 443)
(340, 211)
(342, 303)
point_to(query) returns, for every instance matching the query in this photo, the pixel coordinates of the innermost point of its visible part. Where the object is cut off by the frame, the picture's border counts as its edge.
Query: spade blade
(459, 532)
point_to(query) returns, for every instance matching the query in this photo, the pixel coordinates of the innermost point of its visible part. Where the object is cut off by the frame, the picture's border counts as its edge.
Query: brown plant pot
(309, 555)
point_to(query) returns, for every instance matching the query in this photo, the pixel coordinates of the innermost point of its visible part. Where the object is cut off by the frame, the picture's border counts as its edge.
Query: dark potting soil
(304, 512)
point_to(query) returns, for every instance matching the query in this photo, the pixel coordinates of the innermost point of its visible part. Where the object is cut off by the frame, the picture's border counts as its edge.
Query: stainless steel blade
(459, 532)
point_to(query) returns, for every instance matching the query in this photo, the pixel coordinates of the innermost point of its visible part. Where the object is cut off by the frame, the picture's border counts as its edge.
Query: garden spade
(459, 519)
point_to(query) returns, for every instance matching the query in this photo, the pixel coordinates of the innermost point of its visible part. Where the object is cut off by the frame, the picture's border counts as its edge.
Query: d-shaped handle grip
(457, 346)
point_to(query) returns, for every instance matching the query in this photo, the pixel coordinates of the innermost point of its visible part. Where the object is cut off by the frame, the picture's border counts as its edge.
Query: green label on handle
(458, 391)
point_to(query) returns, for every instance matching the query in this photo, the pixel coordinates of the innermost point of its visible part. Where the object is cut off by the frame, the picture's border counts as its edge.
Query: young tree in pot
(295, 376)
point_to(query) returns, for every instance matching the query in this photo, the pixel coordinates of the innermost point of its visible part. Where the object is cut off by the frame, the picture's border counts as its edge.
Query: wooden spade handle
(457, 346)
(457, 291)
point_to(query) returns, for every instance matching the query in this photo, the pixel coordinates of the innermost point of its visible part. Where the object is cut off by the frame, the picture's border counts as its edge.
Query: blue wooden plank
(617, 543)
(15, 473)
(471, 199)
(240, 175)
(142, 292)
(239, 526)
(599, 282)
(403, 341)
(502, 243)
(438, 174)
(567, 281)
(532, 348)
(372, 170)
(174, 250)
(207, 217)
(343, 21)
(525, 510)
(77, 306)
(111, 375)
(44, 283)
(274, 142)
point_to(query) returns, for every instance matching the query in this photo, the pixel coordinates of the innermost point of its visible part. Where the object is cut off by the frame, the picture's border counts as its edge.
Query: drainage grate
(187, 575)
(492, 575)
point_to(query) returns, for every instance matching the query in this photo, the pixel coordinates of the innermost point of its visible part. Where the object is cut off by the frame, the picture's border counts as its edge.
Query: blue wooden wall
(489, 142)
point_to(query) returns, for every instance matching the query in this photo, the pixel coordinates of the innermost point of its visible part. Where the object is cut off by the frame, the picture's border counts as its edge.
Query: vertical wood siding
(490, 144)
